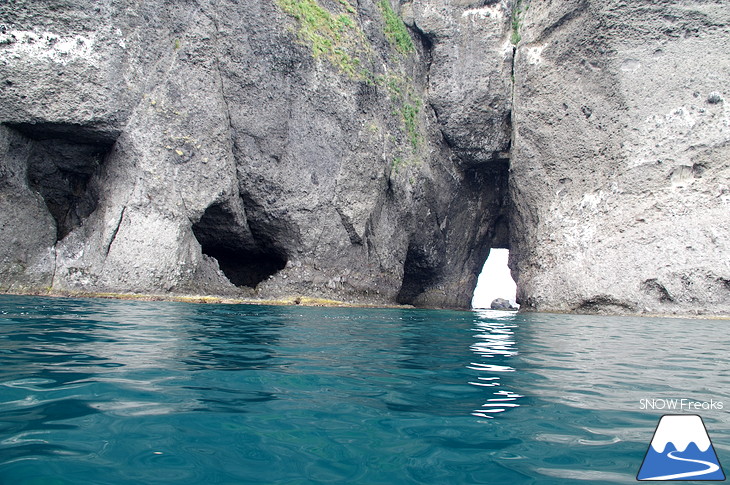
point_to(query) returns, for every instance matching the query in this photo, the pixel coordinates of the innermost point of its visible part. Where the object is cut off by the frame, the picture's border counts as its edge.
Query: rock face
(326, 148)
(620, 165)
(257, 149)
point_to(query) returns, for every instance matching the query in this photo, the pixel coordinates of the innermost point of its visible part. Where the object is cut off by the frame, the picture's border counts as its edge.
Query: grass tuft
(395, 29)
(330, 36)
(337, 38)
(348, 6)
(409, 111)
(517, 14)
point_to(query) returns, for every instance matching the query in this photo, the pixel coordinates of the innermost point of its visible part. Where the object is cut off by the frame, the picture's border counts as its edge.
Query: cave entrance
(495, 281)
(246, 260)
(62, 160)
(419, 272)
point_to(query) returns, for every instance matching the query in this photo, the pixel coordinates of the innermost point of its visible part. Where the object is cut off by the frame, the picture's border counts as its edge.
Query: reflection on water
(137, 392)
(495, 346)
(613, 362)
(233, 337)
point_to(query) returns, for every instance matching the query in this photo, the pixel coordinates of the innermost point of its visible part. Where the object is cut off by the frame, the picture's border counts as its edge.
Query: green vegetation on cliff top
(336, 38)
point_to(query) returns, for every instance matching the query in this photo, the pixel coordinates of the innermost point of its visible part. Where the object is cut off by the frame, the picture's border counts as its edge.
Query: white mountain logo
(681, 450)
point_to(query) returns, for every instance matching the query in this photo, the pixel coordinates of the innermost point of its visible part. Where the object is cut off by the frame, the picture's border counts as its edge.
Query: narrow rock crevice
(101, 135)
(355, 238)
(116, 230)
(512, 77)
(571, 15)
(426, 41)
(221, 84)
(604, 304)
(653, 288)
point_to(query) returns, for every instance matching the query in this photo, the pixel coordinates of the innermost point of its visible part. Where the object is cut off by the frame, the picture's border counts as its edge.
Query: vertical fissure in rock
(116, 230)
(512, 76)
(355, 238)
(426, 42)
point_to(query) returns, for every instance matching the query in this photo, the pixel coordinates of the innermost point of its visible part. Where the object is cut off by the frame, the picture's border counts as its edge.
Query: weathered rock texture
(262, 149)
(324, 148)
(620, 174)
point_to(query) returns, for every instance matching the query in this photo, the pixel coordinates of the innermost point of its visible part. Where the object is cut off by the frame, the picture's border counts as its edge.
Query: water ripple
(109, 392)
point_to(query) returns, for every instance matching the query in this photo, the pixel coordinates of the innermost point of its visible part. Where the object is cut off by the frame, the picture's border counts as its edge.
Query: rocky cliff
(371, 151)
(620, 171)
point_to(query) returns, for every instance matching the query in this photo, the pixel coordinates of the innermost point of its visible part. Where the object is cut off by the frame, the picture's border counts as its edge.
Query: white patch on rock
(533, 54)
(490, 11)
(634, 162)
(591, 201)
(578, 235)
(22, 44)
(630, 65)
(680, 117)
(681, 176)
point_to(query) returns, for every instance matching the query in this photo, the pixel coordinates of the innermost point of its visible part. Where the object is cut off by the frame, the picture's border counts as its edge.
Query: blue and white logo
(681, 450)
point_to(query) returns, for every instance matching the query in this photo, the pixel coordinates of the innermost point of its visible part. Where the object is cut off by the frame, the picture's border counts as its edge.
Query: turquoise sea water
(119, 392)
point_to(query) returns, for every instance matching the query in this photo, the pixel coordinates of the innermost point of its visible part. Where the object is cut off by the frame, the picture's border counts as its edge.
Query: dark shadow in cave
(224, 235)
(62, 159)
(419, 273)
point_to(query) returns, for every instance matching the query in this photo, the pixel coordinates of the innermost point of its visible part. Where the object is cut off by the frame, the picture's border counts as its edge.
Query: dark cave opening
(62, 159)
(245, 269)
(419, 273)
(223, 234)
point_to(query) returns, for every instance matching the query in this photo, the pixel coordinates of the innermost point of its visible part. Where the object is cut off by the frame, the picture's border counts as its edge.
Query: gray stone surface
(470, 85)
(210, 148)
(620, 161)
(231, 148)
(501, 304)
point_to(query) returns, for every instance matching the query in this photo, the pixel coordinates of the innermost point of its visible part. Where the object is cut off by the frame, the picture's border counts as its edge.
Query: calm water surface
(119, 392)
